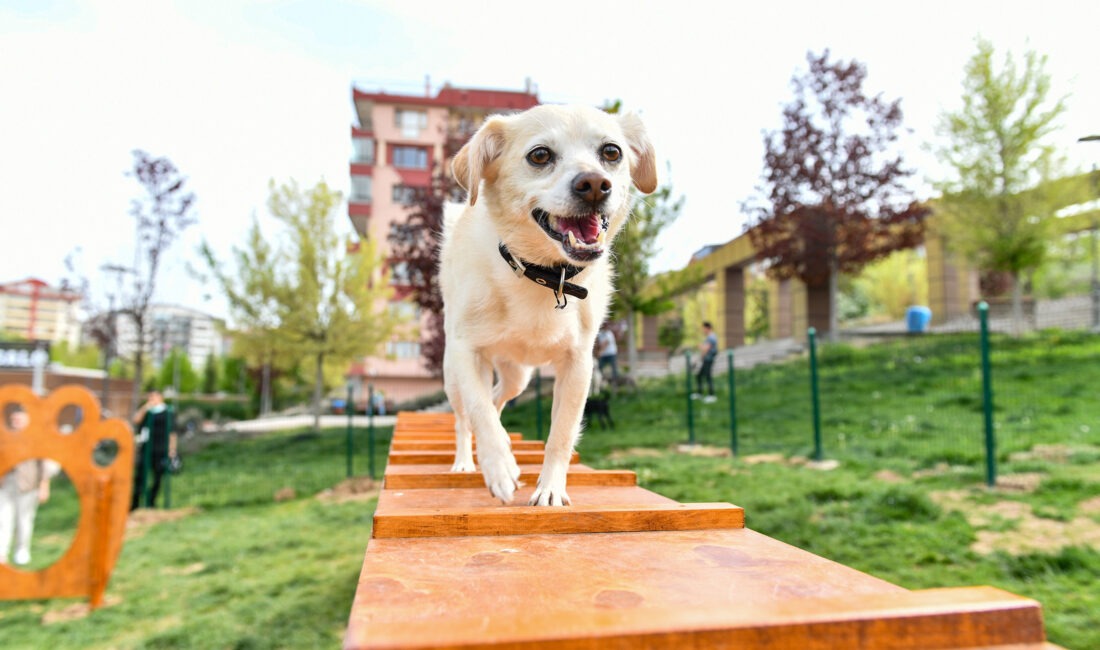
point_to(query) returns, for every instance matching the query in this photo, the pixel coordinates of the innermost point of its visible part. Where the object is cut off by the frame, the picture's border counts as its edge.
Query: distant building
(173, 327)
(398, 143)
(33, 310)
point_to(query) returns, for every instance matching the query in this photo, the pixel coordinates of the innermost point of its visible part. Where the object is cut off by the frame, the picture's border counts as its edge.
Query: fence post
(733, 403)
(370, 430)
(812, 334)
(350, 408)
(987, 398)
(147, 464)
(538, 403)
(690, 414)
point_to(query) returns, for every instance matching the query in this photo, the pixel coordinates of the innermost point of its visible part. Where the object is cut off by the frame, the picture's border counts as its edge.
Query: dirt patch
(1024, 532)
(1052, 453)
(142, 519)
(285, 494)
(359, 488)
(76, 611)
(704, 450)
(1026, 482)
(1089, 506)
(756, 459)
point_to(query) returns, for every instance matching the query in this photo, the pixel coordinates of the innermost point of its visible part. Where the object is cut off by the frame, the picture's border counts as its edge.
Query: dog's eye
(611, 153)
(540, 156)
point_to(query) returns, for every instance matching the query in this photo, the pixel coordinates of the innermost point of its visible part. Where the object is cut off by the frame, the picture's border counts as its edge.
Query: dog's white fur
(495, 320)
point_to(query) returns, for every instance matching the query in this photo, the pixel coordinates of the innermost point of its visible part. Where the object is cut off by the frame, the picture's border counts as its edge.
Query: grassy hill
(231, 567)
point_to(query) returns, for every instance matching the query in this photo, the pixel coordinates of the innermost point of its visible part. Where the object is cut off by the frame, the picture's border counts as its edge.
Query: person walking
(607, 352)
(709, 349)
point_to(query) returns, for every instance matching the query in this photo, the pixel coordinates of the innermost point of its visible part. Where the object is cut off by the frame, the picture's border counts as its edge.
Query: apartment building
(397, 144)
(33, 310)
(173, 327)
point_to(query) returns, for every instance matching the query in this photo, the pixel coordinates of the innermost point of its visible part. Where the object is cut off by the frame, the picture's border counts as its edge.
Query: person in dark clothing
(709, 349)
(155, 439)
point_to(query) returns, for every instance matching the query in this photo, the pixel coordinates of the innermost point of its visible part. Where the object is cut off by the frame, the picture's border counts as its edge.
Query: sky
(237, 94)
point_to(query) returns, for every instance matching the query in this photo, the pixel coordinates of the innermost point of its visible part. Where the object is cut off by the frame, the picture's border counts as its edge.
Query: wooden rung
(663, 590)
(533, 520)
(429, 500)
(449, 445)
(442, 457)
(440, 476)
(440, 436)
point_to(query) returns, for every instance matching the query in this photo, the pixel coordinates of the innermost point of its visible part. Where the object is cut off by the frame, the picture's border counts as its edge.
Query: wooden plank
(498, 520)
(430, 500)
(439, 435)
(441, 476)
(449, 445)
(728, 588)
(443, 457)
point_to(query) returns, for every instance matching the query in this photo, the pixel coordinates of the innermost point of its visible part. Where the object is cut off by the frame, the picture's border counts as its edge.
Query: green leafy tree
(210, 374)
(314, 300)
(632, 251)
(253, 296)
(177, 367)
(82, 356)
(994, 209)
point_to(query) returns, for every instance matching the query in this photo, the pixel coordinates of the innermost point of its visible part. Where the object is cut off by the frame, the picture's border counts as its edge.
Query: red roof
(455, 97)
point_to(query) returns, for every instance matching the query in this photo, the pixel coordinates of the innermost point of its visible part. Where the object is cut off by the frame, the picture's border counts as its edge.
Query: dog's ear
(643, 164)
(472, 160)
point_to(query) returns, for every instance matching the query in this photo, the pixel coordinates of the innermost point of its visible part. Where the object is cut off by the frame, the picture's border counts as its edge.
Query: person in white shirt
(21, 491)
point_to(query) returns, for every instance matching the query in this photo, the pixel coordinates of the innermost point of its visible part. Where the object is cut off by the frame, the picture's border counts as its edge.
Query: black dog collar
(553, 278)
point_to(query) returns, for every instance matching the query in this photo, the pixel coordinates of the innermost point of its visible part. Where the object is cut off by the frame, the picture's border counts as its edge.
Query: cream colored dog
(526, 277)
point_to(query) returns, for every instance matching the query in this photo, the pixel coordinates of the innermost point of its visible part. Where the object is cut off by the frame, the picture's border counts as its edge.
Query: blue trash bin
(917, 319)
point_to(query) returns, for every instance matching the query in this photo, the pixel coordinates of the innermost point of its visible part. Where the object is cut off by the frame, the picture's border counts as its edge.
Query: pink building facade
(398, 143)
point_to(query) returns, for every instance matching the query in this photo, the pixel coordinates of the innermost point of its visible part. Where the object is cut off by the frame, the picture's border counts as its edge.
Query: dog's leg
(570, 391)
(512, 380)
(470, 375)
(463, 433)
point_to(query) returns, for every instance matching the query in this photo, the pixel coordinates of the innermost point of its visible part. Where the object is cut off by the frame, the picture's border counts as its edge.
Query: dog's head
(557, 178)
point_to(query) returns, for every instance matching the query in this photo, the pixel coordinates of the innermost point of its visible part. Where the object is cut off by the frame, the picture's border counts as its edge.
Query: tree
(316, 301)
(210, 375)
(162, 213)
(415, 244)
(632, 250)
(833, 197)
(253, 297)
(995, 210)
(177, 372)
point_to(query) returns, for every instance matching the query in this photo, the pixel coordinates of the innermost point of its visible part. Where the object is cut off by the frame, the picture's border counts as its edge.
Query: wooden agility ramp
(450, 567)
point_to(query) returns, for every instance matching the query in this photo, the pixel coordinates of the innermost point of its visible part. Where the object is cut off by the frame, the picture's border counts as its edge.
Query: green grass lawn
(907, 503)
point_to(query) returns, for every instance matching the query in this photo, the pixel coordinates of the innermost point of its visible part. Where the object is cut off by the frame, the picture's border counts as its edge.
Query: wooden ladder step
(530, 520)
(441, 476)
(449, 445)
(442, 457)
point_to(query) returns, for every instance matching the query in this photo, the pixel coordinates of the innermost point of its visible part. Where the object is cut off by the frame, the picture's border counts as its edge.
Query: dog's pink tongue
(586, 229)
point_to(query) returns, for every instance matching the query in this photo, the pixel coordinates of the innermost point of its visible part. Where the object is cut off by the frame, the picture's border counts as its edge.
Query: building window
(410, 122)
(363, 150)
(403, 350)
(361, 189)
(406, 194)
(410, 157)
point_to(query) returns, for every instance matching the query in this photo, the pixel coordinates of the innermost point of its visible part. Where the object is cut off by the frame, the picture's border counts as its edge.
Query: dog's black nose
(591, 187)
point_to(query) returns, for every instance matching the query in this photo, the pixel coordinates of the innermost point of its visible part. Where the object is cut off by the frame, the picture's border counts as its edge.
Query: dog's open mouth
(583, 237)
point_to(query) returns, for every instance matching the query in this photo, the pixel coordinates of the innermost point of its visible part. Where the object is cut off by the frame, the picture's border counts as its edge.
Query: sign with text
(24, 356)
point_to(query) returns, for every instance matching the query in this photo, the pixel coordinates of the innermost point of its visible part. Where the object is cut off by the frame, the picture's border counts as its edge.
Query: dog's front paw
(501, 475)
(463, 465)
(550, 493)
